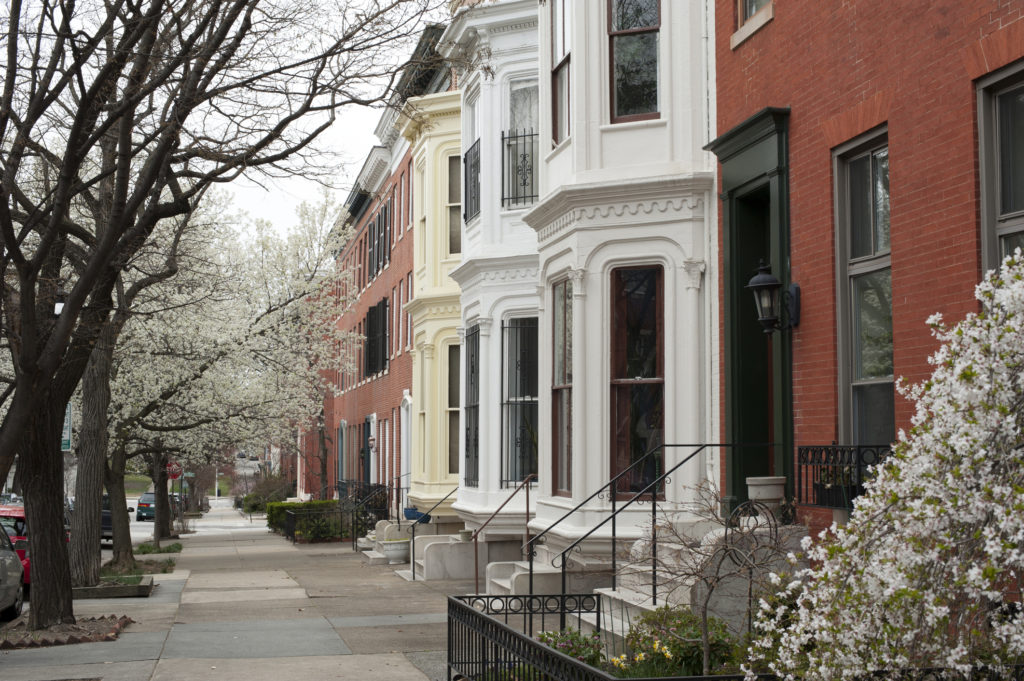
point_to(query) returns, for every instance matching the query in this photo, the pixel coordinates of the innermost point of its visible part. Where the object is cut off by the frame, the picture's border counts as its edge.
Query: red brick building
(873, 153)
(363, 424)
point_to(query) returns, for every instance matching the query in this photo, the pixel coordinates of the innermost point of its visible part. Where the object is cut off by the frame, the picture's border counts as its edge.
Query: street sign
(173, 470)
(190, 474)
(65, 438)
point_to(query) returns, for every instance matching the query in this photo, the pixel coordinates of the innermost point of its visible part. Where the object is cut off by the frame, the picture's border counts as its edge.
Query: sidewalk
(247, 604)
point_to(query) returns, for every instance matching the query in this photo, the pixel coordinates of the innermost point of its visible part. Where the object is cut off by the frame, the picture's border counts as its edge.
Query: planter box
(141, 590)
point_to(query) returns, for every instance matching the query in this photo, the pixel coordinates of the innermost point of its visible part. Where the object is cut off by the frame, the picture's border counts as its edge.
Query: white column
(689, 344)
(579, 385)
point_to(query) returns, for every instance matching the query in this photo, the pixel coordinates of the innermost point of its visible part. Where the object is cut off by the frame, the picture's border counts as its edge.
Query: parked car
(146, 508)
(12, 520)
(12, 579)
(107, 520)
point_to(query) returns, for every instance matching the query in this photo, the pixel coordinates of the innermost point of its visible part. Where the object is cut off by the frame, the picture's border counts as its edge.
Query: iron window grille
(471, 162)
(519, 400)
(518, 168)
(472, 409)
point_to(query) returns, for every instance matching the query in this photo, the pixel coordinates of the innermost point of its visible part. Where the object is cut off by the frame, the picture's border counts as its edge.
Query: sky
(351, 138)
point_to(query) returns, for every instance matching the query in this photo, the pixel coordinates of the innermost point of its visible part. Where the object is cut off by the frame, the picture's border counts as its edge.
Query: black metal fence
(316, 525)
(832, 476)
(518, 168)
(486, 639)
(471, 173)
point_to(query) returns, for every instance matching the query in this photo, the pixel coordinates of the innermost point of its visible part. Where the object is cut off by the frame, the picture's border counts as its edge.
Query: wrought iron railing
(364, 512)
(648, 489)
(425, 518)
(471, 173)
(524, 484)
(518, 168)
(832, 476)
(315, 525)
(486, 641)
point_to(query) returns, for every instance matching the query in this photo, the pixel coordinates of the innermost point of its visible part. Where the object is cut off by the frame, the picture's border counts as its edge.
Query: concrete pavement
(247, 604)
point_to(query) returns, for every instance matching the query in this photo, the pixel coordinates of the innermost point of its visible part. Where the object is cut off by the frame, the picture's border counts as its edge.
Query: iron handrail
(398, 497)
(412, 542)
(528, 546)
(476, 555)
(362, 505)
(651, 489)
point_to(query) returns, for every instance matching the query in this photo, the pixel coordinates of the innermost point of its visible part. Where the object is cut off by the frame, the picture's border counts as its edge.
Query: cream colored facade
(433, 127)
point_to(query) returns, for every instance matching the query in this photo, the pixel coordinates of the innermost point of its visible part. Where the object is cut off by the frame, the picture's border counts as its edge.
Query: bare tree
(115, 115)
(718, 564)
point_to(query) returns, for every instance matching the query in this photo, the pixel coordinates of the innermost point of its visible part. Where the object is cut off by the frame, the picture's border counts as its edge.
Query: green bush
(586, 648)
(277, 511)
(143, 549)
(267, 490)
(667, 642)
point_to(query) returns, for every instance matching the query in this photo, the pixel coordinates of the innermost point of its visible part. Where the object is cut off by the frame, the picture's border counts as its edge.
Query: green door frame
(754, 161)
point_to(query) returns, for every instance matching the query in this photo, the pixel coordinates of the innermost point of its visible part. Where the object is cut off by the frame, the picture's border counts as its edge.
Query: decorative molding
(578, 276)
(484, 325)
(694, 270)
(510, 274)
(687, 207)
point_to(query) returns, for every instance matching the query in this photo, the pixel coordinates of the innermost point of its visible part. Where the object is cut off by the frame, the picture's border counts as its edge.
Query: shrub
(931, 559)
(277, 511)
(574, 643)
(143, 549)
(667, 642)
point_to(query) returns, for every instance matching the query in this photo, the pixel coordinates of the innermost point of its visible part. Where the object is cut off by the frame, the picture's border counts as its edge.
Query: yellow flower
(656, 644)
(639, 657)
(667, 653)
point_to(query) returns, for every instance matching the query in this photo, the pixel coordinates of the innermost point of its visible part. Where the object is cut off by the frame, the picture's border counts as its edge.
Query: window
(633, 27)
(561, 389)
(561, 32)
(519, 147)
(472, 410)
(454, 205)
(453, 409)
(408, 316)
(1001, 118)
(865, 290)
(637, 374)
(519, 399)
(376, 352)
(748, 8)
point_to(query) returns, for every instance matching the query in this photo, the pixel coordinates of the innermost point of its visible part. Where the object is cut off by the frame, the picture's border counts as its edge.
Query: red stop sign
(174, 470)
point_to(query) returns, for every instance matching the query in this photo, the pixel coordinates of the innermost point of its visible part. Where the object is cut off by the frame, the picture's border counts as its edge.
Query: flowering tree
(238, 360)
(115, 116)
(927, 573)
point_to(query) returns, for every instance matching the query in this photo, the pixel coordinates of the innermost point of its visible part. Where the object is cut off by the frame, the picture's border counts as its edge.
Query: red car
(13, 520)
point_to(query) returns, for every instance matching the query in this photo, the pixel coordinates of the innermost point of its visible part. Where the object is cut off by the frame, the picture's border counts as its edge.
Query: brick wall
(382, 393)
(844, 69)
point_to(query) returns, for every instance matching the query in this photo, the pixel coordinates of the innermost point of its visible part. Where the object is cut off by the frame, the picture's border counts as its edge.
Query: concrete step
(375, 557)
(364, 543)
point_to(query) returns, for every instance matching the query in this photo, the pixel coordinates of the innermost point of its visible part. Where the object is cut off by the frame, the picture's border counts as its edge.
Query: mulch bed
(85, 630)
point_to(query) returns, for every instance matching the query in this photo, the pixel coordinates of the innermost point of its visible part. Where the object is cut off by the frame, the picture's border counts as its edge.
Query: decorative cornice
(681, 197)
(375, 169)
(475, 270)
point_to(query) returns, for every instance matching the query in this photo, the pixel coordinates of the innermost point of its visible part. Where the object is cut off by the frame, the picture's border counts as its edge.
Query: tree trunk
(123, 558)
(162, 513)
(92, 454)
(322, 454)
(41, 465)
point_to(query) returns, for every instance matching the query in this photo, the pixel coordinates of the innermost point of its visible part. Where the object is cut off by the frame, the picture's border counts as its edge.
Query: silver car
(12, 580)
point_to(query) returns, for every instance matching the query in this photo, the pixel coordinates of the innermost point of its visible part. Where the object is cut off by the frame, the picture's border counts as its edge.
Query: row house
(874, 174)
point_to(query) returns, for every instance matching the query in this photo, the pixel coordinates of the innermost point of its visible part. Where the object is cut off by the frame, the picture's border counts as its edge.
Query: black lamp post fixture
(766, 288)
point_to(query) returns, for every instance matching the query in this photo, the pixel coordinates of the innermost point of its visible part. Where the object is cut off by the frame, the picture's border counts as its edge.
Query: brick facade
(844, 69)
(379, 394)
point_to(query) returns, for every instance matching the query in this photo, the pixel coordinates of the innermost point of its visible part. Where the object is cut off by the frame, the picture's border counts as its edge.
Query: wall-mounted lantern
(766, 289)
